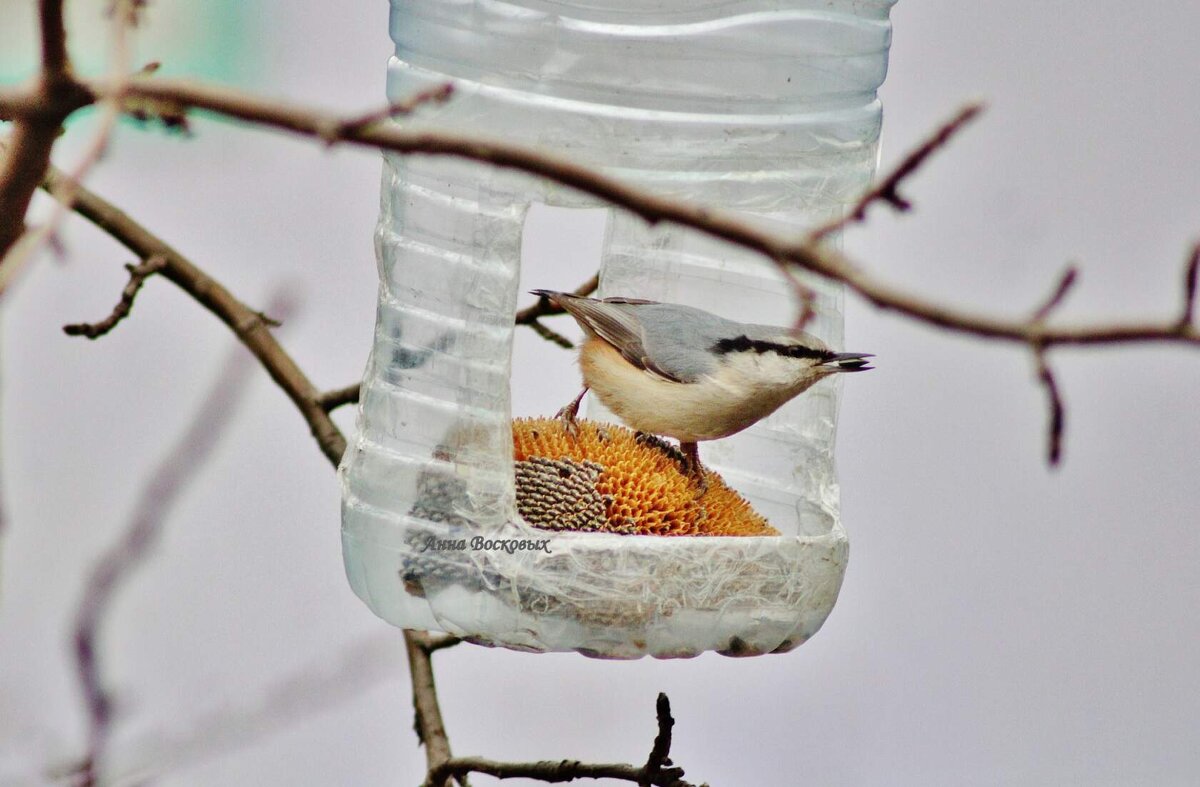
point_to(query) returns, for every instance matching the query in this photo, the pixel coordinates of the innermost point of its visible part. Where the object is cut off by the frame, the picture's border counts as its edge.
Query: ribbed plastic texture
(766, 107)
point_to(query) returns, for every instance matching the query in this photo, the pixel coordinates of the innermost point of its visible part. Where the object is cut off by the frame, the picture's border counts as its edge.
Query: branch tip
(1190, 275)
(406, 106)
(137, 277)
(661, 750)
(114, 568)
(1056, 297)
(1057, 422)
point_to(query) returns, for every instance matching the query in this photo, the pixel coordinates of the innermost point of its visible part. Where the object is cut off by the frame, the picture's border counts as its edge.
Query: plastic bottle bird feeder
(768, 109)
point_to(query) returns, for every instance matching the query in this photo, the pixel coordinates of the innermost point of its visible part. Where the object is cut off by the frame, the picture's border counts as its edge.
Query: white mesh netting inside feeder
(770, 114)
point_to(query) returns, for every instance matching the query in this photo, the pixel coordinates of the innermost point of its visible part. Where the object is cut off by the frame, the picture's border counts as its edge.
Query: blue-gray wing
(615, 321)
(681, 339)
(658, 338)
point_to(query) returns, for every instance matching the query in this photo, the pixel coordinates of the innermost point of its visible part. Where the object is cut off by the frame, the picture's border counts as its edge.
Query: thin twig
(1060, 291)
(1058, 414)
(661, 750)
(137, 277)
(339, 397)
(806, 297)
(549, 334)
(1187, 314)
(405, 106)
(1056, 424)
(118, 564)
(888, 189)
(432, 644)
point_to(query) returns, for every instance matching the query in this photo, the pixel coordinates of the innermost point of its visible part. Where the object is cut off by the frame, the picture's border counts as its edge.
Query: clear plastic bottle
(766, 107)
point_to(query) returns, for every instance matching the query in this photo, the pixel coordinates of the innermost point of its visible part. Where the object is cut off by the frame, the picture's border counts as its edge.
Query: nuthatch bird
(684, 373)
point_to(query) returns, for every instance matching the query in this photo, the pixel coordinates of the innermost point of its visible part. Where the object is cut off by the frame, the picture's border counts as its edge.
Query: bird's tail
(849, 362)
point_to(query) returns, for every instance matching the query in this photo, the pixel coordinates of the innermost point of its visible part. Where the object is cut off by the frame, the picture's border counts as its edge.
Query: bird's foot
(568, 414)
(686, 454)
(692, 467)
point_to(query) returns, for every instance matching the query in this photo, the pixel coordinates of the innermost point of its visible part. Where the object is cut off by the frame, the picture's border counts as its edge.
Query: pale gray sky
(1000, 623)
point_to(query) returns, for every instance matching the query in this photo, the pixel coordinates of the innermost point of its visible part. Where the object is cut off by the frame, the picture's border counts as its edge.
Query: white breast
(745, 388)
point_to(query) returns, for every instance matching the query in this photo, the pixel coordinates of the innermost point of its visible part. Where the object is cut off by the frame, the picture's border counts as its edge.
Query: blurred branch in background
(179, 468)
(352, 671)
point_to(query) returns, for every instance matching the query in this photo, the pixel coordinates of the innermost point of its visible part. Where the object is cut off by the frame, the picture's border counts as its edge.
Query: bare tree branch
(799, 251)
(43, 110)
(137, 277)
(657, 772)
(119, 563)
(888, 188)
(250, 326)
(251, 329)
(550, 335)
(430, 729)
(552, 771)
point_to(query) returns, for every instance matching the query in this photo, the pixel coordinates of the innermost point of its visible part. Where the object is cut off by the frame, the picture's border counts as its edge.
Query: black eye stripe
(746, 344)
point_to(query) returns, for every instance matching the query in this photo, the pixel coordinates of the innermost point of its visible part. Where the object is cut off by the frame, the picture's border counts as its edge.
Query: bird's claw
(570, 424)
(693, 469)
(568, 415)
